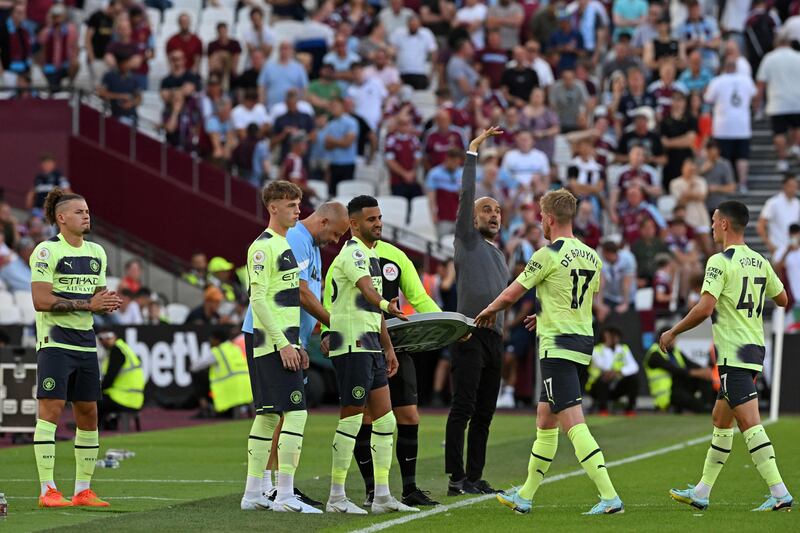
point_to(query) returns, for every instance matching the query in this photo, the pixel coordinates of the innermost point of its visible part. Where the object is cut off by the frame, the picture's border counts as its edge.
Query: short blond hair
(561, 204)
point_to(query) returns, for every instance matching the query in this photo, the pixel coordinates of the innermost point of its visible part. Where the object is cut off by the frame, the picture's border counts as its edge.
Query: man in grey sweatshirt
(481, 275)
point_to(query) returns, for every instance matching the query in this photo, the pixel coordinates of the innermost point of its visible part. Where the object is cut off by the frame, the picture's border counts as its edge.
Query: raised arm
(466, 201)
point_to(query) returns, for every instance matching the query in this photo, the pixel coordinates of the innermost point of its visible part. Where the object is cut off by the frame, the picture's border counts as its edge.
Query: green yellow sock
(763, 454)
(290, 443)
(87, 445)
(259, 443)
(381, 444)
(542, 454)
(344, 441)
(591, 458)
(718, 453)
(44, 447)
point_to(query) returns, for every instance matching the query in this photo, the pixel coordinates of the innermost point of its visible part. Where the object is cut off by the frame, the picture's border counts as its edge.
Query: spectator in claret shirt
(16, 47)
(223, 54)
(443, 184)
(633, 211)
(587, 229)
(403, 155)
(188, 42)
(493, 59)
(441, 138)
(294, 168)
(59, 42)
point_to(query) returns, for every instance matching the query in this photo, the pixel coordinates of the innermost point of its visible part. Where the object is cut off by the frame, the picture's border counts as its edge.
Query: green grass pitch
(191, 479)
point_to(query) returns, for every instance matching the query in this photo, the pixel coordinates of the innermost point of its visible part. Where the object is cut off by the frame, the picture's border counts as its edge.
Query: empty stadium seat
(394, 210)
(177, 313)
(24, 302)
(10, 314)
(448, 241)
(6, 299)
(644, 299)
(154, 16)
(353, 188)
(169, 24)
(420, 220)
(192, 6)
(666, 204)
(320, 187)
(213, 15)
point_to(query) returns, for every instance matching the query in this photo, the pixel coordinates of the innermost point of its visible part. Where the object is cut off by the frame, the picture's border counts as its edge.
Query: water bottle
(107, 463)
(3, 506)
(120, 454)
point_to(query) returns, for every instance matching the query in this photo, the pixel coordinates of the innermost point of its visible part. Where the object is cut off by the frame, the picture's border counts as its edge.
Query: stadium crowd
(654, 100)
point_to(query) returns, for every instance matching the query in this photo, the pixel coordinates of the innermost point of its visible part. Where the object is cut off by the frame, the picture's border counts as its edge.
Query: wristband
(384, 305)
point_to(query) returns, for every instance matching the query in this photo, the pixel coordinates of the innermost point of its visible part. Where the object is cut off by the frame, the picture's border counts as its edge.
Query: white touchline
(552, 479)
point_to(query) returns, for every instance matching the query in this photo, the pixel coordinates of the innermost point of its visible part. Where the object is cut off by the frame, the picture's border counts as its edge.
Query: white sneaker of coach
(388, 504)
(258, 504)
(343, 506)
(506, 399)
(294, 505)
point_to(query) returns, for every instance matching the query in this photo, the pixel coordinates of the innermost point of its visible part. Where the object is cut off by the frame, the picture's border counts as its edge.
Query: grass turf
(193, 478)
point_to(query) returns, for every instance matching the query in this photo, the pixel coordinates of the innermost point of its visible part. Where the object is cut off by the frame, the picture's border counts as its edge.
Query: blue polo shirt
(309, 259)
(338, 128)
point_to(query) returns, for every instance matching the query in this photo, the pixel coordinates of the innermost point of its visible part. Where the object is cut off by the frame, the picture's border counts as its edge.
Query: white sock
(779, 490)
(285, 487)
(381, 490)
(701, 490)
(337, 492)
(252, 490)
(45, 486)
(266, 481)
(81, 486)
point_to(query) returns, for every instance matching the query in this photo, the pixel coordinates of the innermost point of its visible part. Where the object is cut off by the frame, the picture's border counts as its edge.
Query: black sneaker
(456, 488)
(305, 499)
(369, 499)
(481, 487)
(418, 497)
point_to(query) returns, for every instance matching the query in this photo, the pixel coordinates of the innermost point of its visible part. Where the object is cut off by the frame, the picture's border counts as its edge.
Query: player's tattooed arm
(65, 306)
(44, 300)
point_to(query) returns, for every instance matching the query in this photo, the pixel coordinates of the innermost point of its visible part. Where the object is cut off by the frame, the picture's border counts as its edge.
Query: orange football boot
(88, 498)
(53, 498)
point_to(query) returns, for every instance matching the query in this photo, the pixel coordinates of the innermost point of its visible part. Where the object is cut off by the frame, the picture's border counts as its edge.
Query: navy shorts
(68, 375)
(734, 149)
(563, 382)
(737, 385)
(275, 389)
(358, 373)
(403, 385)
(783, 123)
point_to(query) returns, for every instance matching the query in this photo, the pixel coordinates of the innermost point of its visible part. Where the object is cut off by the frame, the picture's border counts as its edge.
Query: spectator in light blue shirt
(627, 15)
(340, 136)
(342, 60)
(277, 77)
(700, 32)
(696, 77)
(261, 154)
(221, 132)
